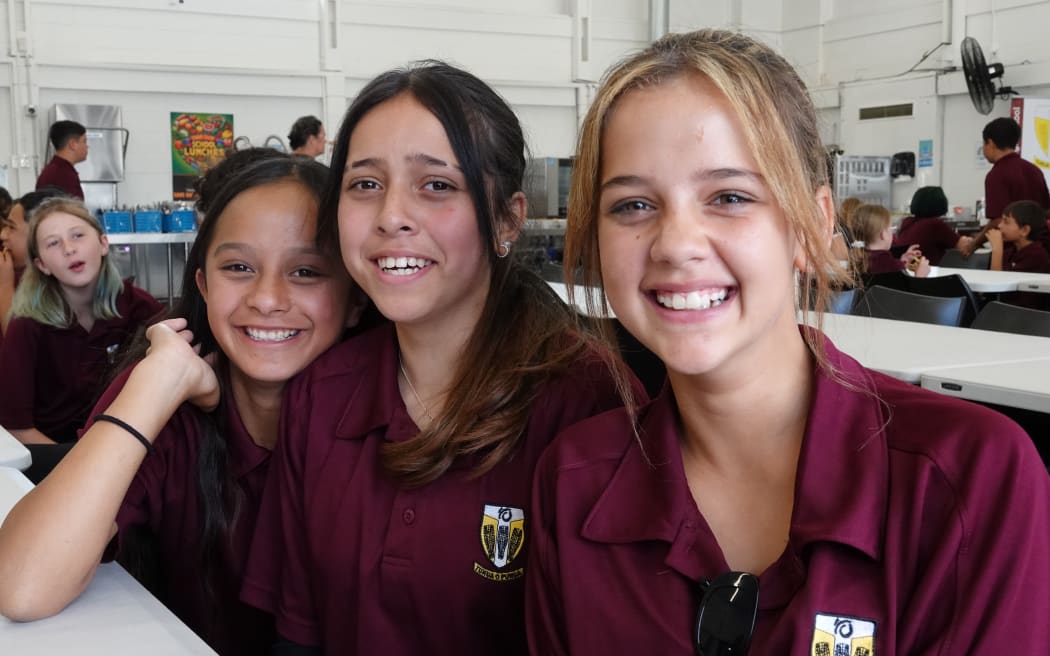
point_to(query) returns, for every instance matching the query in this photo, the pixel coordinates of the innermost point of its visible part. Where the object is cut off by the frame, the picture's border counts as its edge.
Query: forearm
(996, 263)
(30, 436)
(5, 310)
(53, 538)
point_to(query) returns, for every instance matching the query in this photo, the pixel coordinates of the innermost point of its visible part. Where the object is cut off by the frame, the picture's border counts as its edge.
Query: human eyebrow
(232, 246)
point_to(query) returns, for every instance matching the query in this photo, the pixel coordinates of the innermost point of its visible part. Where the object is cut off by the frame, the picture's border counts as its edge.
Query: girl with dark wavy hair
(179, 446)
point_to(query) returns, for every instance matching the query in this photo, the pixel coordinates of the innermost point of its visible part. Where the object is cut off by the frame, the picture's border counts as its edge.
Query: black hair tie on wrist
(126, 426)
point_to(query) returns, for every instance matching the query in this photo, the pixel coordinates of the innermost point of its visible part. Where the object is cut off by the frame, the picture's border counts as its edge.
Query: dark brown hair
(526, 334)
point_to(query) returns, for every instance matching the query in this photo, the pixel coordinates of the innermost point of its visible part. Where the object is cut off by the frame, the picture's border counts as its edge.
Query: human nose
(69, 246)
(395, 216)
(681, 235)
(269, 294)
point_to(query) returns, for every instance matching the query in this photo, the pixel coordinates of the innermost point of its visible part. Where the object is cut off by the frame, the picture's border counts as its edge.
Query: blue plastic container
(114, 221)
(180, 221)
(148, 221)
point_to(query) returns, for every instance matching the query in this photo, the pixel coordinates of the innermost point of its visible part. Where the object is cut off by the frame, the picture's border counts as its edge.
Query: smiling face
(407, 226)
(696, 256)
(70, 249)
(13, 233)
(274, 301)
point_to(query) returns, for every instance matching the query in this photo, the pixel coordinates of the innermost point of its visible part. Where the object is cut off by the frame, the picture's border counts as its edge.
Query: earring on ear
(503, 250)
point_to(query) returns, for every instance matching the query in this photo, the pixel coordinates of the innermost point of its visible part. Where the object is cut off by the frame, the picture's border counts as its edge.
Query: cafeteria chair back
(953, 258)
(885, 303)
(952, 286)
(842, 301)
(649, 369)
(1006, 318)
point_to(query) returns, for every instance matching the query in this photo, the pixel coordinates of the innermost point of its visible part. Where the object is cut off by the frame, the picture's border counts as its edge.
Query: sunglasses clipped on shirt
(726, 618)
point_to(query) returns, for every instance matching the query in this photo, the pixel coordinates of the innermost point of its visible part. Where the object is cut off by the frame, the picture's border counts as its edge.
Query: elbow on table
(29, 600)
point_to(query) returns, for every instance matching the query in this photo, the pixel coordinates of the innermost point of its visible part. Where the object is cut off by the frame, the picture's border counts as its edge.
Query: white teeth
(403, 266)
(693, 300)
(270, 335)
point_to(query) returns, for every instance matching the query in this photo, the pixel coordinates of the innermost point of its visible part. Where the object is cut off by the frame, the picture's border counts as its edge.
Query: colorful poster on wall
(1033, 114)
(198, 142)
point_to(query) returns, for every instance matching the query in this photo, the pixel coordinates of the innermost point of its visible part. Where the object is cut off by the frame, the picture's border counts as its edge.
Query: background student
(307, 137)
(926, 228)
(1016, 247)
(397, 516)
(874, 227)
(776, 493)
(261, 299)
(1011, 178)
(70, 316)
(69, 139)
(14, 250)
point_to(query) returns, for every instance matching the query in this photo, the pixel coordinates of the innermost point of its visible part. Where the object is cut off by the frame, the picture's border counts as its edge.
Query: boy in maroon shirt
(1015, 247)
(69, 140)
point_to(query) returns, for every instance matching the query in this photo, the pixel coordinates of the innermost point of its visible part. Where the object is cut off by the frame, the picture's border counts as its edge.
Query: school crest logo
(840, 635)
(502, 537)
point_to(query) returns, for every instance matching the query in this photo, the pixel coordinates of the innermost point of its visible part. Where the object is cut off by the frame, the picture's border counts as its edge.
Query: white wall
(269, 61)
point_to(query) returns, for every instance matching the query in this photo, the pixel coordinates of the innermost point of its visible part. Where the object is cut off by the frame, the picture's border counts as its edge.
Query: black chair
(954, 258)
(891, 280)
(1006, 318)
(952, 286)
(886, 303)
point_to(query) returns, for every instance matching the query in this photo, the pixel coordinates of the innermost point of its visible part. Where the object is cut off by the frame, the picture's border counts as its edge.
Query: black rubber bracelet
(126, 426)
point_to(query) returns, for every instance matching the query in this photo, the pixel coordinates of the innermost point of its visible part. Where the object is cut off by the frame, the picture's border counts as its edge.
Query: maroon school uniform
(164, 500)
(1012, 179)
(61, 174)
(883, 262)
(1032, 258)
(18, 279)
(928, 537)
(933, 235)
(53, 375)
(349, 560)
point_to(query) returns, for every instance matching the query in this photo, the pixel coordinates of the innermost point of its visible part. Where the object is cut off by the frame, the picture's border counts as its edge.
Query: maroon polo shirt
(917, 517)
(1032, 258)
(61, 174)
(883, 262)
(932, 234)
(18, 279)
(1013, 178)
(53, 375)
(350, 561)
(163, 499)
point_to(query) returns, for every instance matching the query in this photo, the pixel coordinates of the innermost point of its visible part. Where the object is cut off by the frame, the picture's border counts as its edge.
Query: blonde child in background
(873, 227)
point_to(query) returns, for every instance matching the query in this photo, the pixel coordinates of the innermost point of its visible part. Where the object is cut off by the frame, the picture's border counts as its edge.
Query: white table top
(906, 350)
(580, 298)
(1014, 384)
(115, 616)
(984, 281)
(13, 453)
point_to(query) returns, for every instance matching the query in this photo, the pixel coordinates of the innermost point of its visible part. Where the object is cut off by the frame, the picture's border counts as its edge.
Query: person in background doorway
(926, 228)
(1015, 247)
(13, 248)
(307, 137)
(1011, 178)
(69, 139)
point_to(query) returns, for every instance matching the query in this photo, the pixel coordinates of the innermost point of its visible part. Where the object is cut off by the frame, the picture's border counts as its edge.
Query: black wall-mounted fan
(981, 76)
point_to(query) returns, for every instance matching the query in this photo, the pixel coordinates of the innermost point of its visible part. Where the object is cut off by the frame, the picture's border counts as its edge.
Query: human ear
(827, 226)
(40, 265)
(511, 227)
(202, 284)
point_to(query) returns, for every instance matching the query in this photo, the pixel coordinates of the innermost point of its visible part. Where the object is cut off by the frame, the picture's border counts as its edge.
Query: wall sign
(198, 142)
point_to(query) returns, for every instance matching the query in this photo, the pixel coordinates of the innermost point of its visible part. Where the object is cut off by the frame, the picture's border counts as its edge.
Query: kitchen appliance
(866, 177)
(547, 182)
(107, 149)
